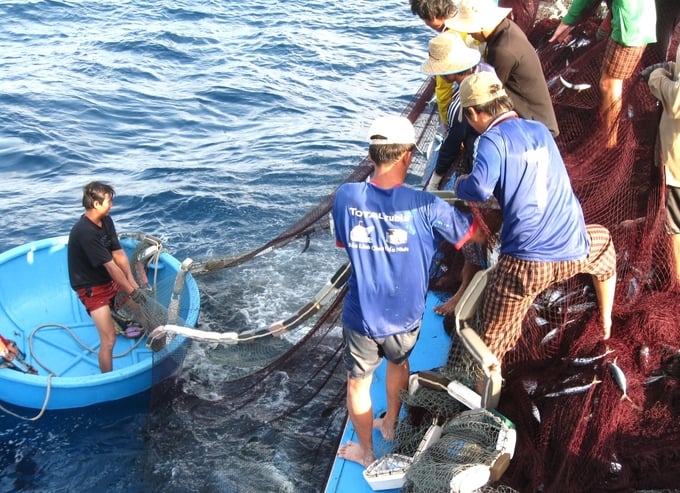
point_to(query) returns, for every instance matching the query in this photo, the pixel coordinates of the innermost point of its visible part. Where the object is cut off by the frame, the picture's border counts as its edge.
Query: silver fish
(620, 379)
(535, 413)
(653, 378)
(575, 87)
(579, 389)
(550, 335)
(580, 307)
(591, 359)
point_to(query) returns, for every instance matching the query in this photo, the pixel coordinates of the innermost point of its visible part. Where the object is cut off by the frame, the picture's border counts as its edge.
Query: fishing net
(290, 389)
(459, 459)
(563, 385)
(561, 389)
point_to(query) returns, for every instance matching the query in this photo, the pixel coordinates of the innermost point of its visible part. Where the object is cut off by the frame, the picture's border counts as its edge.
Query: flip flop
(133, 332)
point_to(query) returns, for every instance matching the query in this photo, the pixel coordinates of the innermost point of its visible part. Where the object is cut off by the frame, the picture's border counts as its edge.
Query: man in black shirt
(98, 267)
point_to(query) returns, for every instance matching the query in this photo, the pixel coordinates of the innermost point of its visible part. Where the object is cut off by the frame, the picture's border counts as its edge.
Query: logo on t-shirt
(361, 234)
(396, 236)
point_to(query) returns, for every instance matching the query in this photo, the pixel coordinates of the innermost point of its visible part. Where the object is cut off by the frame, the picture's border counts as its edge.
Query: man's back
(518, 161)
(519, 69)
(390, 235)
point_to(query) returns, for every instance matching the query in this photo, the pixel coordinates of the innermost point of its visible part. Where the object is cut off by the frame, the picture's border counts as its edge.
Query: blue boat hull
(42, 314)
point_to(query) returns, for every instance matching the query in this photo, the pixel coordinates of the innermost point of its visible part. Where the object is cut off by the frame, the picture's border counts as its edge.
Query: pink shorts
(97, 296)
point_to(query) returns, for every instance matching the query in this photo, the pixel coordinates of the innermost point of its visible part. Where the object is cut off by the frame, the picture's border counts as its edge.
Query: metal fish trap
(474, 448)
(463, 448)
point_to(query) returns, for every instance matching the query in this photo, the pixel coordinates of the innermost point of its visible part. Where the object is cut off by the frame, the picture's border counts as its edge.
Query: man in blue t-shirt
(544, 238)
(390, 233)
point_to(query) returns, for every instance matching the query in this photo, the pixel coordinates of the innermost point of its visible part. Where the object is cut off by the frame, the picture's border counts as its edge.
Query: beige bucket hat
(476, 16)
(448, 54)
(480, 88)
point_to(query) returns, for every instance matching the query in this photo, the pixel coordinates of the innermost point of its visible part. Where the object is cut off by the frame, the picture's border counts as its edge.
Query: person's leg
(396, 381)
(619, 64)
(605, 300)
(513, 286)
(360, 409)
(601, 265)
(107, 336)
(612, 90)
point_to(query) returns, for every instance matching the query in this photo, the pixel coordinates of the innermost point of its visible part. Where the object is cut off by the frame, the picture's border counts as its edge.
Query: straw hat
(480, 88)
(476, 16)
(391, 129)
(448, 54)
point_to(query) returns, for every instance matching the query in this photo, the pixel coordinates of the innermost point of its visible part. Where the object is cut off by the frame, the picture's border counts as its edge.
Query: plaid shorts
(621, 61)
(515, 283)
(673, 210)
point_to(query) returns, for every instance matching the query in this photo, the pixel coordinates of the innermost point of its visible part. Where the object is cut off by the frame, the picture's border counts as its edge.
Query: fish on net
(576, 430)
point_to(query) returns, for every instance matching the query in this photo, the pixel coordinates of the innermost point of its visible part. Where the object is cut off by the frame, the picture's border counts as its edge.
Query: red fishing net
(571, 439)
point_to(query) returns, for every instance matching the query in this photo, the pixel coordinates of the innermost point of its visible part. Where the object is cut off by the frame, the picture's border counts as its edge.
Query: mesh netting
(575, 433)
(470, 442)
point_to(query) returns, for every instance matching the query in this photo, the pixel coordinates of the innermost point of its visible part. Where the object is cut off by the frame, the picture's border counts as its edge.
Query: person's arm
(119, 270)
(450, 148)
(666, 90)
(443, 92)
(576, 10)
(479, 185)
(452, 224)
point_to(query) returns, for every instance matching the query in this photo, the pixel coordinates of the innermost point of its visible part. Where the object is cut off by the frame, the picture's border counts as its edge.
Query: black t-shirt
(89, 248)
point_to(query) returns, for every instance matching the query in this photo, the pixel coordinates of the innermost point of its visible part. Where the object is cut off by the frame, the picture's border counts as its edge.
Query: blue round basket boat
(43, 315)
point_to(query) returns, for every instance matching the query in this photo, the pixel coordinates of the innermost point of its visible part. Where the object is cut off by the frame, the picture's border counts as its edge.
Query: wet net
(287, 389)
(594, 415)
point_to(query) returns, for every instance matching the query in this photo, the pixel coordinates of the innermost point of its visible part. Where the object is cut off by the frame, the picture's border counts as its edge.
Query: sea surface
(219, 123)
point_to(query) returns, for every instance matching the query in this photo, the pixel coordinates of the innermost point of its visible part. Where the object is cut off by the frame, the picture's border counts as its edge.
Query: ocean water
(219, 123)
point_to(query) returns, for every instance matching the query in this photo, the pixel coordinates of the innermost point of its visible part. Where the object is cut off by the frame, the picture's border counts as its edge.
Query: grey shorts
(363, 353)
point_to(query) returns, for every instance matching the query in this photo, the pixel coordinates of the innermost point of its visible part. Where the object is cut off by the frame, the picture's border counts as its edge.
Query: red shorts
(98, 296)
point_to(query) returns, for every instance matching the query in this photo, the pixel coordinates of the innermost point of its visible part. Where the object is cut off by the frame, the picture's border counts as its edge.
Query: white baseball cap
(391, 129)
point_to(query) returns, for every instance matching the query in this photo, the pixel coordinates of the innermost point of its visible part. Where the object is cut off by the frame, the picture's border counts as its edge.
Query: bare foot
(449, 307)
(386, 428)
(352, 451)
